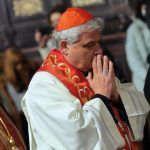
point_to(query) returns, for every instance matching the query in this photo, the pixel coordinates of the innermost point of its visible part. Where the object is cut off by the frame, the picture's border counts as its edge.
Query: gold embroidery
(51, 61)
(75, 79)
(86, 92)
(67, 70)
(5, 133)
(63, 69)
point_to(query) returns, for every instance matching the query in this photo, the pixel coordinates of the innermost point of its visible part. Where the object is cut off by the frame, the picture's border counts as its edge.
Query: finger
(99, 64)
(89, 77)
(105, 65)
(94, 65)
(111, 70)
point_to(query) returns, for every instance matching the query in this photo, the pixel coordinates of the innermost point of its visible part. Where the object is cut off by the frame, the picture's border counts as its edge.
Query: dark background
(20, 29)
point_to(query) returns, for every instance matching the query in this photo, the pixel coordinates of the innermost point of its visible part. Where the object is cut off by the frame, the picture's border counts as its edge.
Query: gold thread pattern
(63, 69)
(5, 133)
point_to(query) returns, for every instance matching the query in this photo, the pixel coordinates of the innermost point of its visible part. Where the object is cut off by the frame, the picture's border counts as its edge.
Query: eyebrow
(88, 43)
(91, 42)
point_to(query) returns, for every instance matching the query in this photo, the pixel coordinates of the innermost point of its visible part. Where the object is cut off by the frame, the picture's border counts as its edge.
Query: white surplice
(57, 121)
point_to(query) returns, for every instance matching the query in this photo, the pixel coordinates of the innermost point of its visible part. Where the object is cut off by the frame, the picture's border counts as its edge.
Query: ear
(64, 47)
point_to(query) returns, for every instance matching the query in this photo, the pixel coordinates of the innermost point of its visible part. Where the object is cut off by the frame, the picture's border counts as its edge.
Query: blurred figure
(43, 37)
(138, 43)
(10, 125)
(18, 73)
(5, 99)
(55, 14)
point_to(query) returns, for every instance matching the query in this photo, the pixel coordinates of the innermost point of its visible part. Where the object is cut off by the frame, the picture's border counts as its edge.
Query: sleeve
(136, 106)
(121, 110)
(118, 104)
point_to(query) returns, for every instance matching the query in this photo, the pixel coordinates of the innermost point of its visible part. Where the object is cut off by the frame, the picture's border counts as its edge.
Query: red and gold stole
(78, 86)
(72, 78)
(10, 137)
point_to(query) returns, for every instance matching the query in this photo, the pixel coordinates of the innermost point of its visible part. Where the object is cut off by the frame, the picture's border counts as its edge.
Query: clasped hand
(102, 79)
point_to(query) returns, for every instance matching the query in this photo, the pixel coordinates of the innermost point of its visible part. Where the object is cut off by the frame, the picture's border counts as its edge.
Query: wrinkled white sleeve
(136, 107)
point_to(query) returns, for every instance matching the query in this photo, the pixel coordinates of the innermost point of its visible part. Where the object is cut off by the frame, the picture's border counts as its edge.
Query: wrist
(102, 97)
(106, 94)
(115, 96)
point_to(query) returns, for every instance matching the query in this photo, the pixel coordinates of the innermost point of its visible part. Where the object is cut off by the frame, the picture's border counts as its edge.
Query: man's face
(54, 18)
(81, 53)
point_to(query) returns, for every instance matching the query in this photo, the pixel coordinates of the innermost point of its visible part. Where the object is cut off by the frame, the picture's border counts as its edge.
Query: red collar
(72, 78)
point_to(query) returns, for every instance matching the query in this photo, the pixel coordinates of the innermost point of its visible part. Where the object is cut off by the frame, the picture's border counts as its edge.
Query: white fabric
(57, 121)
(16, 96)
(50, 45)
(137, 51)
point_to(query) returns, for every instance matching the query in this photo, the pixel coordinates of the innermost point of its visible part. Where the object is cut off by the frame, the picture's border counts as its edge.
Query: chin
(86, 69)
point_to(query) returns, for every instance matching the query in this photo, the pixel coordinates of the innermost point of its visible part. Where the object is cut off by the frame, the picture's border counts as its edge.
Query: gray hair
(72, 35)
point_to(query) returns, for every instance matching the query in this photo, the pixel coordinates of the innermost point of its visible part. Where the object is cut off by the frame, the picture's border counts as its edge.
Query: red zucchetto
(73, 17)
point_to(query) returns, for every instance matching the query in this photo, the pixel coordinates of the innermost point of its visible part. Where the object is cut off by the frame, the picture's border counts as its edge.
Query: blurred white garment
(15, 95)
(50, 45)
(137, 51)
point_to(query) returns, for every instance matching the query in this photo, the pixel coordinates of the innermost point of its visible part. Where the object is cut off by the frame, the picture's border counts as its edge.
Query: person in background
(67, 110)
(5, 98)
(18, 72)
(44, 36)
(137, 43)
